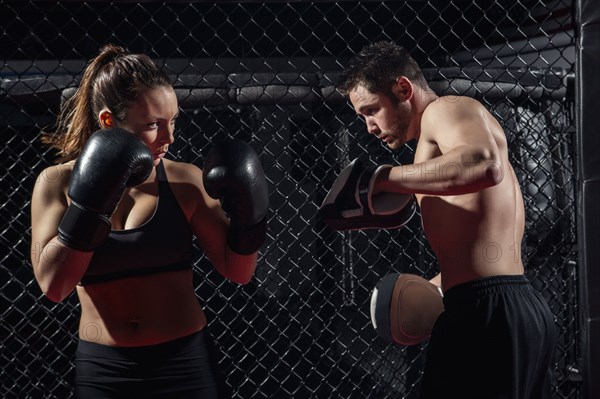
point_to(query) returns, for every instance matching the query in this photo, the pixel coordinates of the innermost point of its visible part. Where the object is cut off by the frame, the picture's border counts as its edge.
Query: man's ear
(403, 89)
(106, 119)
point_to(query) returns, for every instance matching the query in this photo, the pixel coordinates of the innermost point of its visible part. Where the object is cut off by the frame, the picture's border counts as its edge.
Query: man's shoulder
(451, 102)
(448, 108)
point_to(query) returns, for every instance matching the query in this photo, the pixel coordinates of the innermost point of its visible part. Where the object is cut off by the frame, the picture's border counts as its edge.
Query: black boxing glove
(351, 205)
(233, 174)
(111, 160)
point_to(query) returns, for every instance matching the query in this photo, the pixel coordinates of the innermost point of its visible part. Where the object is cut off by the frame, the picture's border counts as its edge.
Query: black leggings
(495, 339)
(184, 368)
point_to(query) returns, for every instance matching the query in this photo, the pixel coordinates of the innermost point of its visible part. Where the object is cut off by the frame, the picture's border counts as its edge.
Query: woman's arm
(210, 226)
(57, 268)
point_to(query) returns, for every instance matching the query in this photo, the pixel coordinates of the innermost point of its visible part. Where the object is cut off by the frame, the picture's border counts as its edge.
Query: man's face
(387, 119)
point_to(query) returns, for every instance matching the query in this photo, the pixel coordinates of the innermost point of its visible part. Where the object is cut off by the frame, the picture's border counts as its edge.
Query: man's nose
(372, 126)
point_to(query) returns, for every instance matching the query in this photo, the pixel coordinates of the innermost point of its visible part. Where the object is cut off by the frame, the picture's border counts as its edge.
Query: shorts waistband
(474, 290)
(138, 353)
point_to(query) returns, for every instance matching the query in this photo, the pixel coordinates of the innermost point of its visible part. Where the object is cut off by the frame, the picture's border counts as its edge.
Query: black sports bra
(162, 244)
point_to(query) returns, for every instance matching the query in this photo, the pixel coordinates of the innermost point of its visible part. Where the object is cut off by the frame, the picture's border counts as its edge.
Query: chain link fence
(266, 73)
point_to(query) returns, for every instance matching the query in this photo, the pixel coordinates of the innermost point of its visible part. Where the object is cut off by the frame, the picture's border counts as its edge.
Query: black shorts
(182, 368)
(495, 339)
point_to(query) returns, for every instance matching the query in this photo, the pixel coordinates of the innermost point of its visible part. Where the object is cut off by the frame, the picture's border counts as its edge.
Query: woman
(114, 220)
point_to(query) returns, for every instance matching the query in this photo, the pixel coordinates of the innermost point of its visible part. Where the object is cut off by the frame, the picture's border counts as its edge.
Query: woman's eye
(153, 125)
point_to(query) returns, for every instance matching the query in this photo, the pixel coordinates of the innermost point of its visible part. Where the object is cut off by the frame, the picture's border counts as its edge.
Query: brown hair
(377, 65)
(112, 80)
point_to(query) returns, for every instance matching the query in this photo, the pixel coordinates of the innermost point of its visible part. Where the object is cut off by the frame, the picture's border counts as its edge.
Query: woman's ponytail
(76, 119)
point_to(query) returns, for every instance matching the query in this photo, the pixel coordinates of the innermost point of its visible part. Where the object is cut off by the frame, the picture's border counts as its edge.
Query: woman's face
(152, 118)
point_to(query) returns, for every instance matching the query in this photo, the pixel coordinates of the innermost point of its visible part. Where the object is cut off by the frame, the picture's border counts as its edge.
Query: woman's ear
(106, 119)
(403, 89)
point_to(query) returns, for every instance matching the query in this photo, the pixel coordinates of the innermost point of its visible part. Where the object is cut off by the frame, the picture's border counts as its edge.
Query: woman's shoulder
(56, 175)
(178, 171)
(53, 181)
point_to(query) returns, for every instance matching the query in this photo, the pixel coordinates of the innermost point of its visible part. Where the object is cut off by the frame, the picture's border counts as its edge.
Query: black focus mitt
(350, 205)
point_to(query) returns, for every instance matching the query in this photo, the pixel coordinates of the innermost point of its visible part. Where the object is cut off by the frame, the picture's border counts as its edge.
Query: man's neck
(422, 98)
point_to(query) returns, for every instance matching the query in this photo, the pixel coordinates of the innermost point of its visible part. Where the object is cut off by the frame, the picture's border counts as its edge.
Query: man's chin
(394, 144)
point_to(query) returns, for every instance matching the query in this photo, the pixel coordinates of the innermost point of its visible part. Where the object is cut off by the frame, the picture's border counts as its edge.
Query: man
(496, 336)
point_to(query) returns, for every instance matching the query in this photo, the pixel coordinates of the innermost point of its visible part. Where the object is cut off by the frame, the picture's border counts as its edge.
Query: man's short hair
(377, 66)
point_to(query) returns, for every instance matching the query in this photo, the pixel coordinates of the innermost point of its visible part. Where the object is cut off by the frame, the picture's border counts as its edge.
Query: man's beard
(399, 128)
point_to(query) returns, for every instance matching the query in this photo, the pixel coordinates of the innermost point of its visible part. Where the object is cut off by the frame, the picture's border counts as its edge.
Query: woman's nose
(168, 135)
